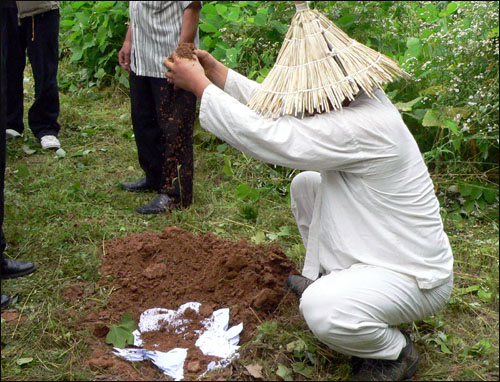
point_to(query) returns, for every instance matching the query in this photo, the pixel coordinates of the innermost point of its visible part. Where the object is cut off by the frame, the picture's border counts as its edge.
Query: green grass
(59, 211)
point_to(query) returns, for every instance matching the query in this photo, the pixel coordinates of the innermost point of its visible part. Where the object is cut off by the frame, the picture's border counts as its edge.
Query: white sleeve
(239, 86)
(321, 142)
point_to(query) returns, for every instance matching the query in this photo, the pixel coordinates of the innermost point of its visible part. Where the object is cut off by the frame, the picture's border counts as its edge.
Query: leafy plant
(120, 335)
(92, 34)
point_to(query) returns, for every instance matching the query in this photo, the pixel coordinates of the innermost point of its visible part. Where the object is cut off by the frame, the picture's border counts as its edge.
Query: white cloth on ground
(377, 204)
(355, 311)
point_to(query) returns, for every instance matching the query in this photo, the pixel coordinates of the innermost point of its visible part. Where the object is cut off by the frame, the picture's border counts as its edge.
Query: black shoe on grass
(158, 205)
(140, 185)
(12, 268)
(297, 284)
(384, 370)
(5, 301)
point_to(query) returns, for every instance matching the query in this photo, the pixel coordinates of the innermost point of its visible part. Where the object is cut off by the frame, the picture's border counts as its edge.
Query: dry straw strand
(318, 67)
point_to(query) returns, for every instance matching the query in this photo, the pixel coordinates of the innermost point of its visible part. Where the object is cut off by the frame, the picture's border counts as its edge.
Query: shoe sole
(150, 212)
(7, 303)
(19, 274)
(411, 370)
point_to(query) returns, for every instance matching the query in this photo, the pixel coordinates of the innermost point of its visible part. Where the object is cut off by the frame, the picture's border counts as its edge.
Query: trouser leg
(3, 95)
(356, 311)
(14, 47)
(176, 115)
(148, 135)
(303, 192)
(43, 53)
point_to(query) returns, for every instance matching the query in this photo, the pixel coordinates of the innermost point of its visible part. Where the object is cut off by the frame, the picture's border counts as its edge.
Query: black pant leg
(43, 53)
(3, 95)
(15, 45)
(176, 116)
(148, 136)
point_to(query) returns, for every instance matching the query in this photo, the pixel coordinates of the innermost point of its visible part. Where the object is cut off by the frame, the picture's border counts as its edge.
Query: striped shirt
(156, 30)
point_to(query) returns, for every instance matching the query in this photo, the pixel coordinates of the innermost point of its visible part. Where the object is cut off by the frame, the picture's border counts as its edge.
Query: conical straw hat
(318, 67)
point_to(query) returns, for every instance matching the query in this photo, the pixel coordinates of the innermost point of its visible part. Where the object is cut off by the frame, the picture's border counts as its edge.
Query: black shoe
(16, 268)
(5, 301)
(139, 186)
(297, 284)
(384, 370)
(158, 205)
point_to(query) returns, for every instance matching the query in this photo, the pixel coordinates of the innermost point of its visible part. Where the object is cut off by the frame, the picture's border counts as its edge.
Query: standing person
(377, 255)
(162, 117)
(10, 268)
(34, 28)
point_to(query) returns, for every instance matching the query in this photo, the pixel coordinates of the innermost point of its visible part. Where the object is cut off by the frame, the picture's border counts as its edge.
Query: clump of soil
(184, 50)
(169, 269)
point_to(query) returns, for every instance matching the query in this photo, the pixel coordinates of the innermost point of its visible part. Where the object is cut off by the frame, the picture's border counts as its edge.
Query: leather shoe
(140, 185)
(158, 205)
(5, 301)
(16, 268)
(297, 284)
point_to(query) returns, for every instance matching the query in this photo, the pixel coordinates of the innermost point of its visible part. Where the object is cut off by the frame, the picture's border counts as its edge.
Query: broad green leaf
(432, 118)
(298, 345)
(407, 106)
(444, 348)
(452, 7)
(261, 19)
(490, 196)
(61, 153)
(28, 150)
(227, 170)
(346, 20)
(259, 237)
(119, 336)
(284, 372)
(303, 369)
(209, 28)
(414, 46)
(24, 361)
(221, 9)
(452, 126)
(281, 28)
(127, 322)
(208, 9)
(484, 295)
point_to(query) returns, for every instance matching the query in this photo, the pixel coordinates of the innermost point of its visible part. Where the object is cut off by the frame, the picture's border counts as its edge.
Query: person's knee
(319, 314)
(304, 180)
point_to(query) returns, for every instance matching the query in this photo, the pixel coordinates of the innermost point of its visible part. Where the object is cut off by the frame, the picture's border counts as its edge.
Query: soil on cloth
(173, 267)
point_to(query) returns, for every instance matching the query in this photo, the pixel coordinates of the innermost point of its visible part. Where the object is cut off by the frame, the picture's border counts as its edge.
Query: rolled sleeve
(318, 143)
(239, 86)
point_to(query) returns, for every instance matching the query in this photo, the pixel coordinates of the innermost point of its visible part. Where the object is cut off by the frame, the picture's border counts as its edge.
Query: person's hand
(208, 61)
(124, 55)
(187, 74)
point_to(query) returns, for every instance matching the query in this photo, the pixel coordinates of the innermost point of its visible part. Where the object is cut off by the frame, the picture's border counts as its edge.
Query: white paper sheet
(215, 339)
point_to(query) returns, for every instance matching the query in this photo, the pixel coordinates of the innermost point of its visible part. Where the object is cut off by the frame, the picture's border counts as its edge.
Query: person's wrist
(201, 86)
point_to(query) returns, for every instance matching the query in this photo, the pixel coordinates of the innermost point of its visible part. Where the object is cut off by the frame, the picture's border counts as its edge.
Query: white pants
(354, 311)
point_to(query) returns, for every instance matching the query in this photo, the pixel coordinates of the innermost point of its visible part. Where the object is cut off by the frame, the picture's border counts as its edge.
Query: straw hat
(318, 67)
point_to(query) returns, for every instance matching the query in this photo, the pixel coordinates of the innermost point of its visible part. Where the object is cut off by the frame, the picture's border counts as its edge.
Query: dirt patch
(173, 267)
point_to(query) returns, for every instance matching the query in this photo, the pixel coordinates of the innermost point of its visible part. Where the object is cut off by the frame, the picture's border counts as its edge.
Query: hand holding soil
(186, 73)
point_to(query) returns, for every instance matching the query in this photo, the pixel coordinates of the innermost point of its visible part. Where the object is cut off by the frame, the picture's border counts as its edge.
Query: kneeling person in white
(369, 219)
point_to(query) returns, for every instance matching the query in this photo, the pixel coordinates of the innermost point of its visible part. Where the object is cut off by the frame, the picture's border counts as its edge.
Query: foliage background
(450, 49)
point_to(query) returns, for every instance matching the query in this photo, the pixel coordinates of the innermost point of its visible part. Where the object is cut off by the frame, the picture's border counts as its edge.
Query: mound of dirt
(169, 269)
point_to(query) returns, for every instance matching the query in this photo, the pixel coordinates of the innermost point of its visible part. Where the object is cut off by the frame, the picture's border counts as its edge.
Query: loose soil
(184, 50)
(173, 267)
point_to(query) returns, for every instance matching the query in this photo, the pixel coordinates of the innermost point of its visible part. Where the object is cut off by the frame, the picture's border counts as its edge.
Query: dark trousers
(163, 122)
(3, 96)
(39, 36)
